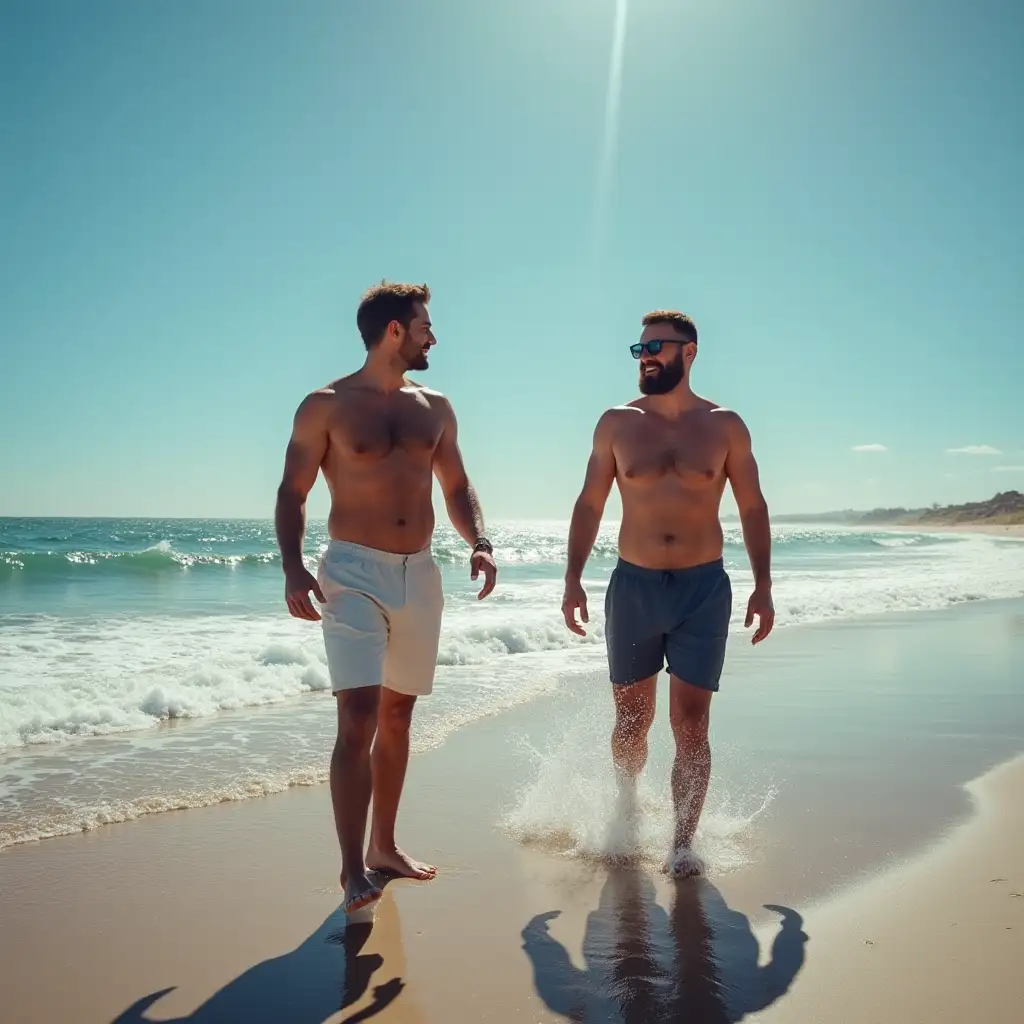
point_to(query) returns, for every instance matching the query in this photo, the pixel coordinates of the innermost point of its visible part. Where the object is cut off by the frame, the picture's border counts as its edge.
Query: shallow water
(150, 665)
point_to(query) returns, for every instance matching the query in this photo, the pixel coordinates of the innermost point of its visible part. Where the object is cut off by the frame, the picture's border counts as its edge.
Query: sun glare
(605, 185)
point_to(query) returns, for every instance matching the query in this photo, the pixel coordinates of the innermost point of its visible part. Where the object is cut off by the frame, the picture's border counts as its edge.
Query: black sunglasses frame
(654, 346)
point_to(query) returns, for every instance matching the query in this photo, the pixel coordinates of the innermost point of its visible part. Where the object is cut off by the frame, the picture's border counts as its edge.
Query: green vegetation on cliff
(1005, 508)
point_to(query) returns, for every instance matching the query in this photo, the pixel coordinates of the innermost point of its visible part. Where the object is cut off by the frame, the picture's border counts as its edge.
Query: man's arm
(303, 457)
(459, 495)
(589, 507)
(741, 469)
(461, 501)
(586, 521)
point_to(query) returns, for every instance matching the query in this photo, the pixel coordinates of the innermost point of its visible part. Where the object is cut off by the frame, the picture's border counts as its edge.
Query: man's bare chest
(684, 453)
(376, 429)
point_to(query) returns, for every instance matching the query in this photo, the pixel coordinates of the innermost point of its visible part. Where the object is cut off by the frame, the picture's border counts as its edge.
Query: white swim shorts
(382, 619)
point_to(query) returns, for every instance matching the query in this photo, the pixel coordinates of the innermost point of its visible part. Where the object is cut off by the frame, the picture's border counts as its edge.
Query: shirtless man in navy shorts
(669, 598)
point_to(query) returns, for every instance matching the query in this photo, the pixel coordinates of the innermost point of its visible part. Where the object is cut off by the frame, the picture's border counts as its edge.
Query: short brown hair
(385, 302)
(680, 321)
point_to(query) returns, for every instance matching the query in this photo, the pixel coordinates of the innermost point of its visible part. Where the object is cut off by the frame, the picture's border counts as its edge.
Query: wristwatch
(483, 544)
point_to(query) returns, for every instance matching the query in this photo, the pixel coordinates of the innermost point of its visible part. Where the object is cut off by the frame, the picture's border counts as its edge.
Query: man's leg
(390, 758)
(634, 713)
(409, 665)
(689, 709)
(351, 787)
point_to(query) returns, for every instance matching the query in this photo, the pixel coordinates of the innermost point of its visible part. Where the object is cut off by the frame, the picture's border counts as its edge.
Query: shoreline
(741, 662)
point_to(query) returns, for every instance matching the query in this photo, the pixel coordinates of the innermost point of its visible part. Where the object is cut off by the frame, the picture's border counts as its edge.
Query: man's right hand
(298, 582)
(575, 597)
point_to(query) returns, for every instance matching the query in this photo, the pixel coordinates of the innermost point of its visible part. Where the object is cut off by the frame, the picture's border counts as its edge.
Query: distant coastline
(1003, 509)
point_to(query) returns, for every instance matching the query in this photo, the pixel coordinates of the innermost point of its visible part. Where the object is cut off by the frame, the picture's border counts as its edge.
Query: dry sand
(940, 938)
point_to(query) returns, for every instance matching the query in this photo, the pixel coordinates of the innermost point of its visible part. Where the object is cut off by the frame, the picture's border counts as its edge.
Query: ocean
(151, 665)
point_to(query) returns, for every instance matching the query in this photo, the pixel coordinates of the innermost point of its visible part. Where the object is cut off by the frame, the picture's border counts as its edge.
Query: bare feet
(359, 892)
(684, 863)
(398, 862)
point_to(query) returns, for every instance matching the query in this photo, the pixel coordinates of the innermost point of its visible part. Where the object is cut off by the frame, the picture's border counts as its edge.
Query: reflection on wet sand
(697, 963)
(326, 973)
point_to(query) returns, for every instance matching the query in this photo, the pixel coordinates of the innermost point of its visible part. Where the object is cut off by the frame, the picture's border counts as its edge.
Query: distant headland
(1003, 509)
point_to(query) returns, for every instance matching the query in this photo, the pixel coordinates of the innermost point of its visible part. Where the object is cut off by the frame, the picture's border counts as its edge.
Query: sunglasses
(654, 346)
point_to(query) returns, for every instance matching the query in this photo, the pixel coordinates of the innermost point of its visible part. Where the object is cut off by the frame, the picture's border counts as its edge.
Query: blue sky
(194, 196)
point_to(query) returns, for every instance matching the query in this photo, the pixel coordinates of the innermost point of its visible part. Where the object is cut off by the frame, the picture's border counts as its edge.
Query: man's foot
(399, 863)
(360, 892)
(684, 863)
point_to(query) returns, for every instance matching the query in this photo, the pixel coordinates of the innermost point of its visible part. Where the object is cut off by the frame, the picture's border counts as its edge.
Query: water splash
(572, 807)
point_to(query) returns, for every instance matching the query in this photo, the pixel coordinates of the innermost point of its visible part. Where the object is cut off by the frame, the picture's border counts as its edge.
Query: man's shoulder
(625, 411)
(430, 394)
(730, 423)
(434, 399)
(318, 405)
(329, 392)
(724, 415)
(319, 398)
(612, 419)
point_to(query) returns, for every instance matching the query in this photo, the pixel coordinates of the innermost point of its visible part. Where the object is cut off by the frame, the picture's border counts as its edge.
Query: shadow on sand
(307, 985)
(698, 963)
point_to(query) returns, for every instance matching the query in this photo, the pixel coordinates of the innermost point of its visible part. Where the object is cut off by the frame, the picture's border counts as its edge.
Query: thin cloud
(974, 449)
(1008, 469)
(870, 448)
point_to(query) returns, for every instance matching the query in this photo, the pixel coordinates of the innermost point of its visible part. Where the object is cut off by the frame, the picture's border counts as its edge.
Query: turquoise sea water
(151, 664)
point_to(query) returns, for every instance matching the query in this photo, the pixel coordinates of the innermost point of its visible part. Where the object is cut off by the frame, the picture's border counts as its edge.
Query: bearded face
(414, 354)
(417, 340)
(660, 375)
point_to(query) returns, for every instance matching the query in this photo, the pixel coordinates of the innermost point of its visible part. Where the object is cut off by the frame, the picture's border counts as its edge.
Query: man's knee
(635, 715)
(689, 710)
(357, 716)
(636, 721)
(395, 713)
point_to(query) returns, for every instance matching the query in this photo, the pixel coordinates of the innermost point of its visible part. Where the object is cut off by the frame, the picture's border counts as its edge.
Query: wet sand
(230, 913)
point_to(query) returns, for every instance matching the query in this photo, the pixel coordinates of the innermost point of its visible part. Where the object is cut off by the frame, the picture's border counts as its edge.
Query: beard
(414, 357)
(665, 380)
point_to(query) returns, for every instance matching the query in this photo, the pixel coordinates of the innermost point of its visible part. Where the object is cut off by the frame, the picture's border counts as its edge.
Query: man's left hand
(482, 562)
(760, 604)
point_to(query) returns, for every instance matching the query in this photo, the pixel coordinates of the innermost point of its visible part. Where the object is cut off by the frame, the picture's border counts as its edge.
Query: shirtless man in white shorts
(379, 440)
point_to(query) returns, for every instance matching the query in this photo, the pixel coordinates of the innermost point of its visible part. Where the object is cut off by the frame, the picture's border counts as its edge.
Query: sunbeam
(609, 146)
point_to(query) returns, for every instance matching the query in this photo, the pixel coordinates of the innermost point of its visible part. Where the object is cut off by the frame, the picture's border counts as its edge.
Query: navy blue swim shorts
(676, 615)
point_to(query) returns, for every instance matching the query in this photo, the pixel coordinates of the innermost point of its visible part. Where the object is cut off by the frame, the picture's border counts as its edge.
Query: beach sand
(231, 913)
(940, 938)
